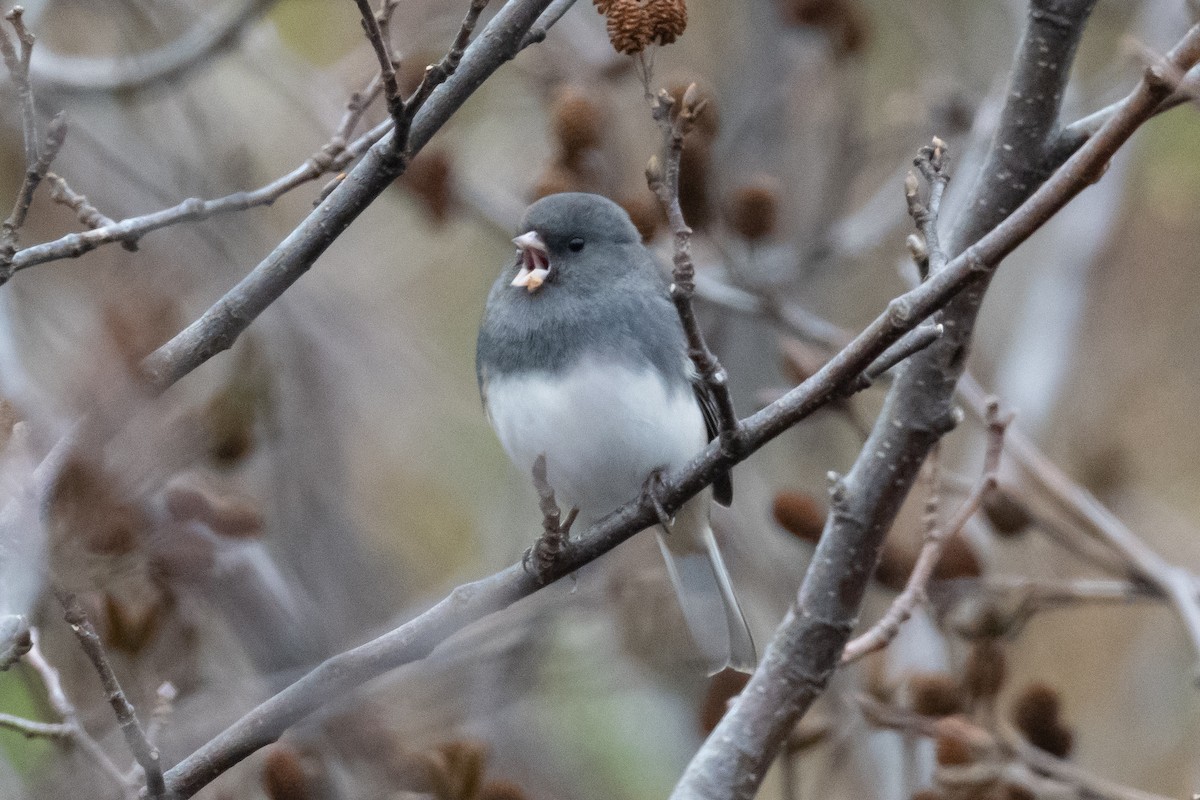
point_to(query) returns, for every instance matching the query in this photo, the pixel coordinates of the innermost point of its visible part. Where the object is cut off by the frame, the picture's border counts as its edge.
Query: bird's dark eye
(575, 245)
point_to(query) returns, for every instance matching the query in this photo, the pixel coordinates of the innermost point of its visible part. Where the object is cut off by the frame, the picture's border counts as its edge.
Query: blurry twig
(205, 35)
(663, 177)
(1008, 747)
(387, 67)
(38, 155)
(552, 15)
(883, 631)
(1173, 581)
(144, 752)
(70, 717)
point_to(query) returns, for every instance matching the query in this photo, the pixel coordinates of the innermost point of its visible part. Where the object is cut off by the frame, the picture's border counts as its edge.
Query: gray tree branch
(806, 646)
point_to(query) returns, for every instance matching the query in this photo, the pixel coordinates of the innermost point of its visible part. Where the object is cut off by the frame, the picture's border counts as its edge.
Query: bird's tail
(710, 609)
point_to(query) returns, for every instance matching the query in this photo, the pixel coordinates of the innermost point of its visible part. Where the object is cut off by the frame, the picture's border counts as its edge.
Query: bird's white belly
(603, 430)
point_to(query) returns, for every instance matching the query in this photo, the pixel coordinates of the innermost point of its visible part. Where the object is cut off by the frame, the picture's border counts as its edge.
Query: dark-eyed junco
(582, 358)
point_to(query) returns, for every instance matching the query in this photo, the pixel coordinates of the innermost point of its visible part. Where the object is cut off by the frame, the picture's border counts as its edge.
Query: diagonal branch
(819, 639)
(144, 752)
(808, 643)
(888, 626)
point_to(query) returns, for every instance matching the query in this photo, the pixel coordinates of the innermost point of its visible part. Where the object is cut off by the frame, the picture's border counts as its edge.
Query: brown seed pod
(1036, 713)
(646, 212)
(555, 179)
(628, 26)
(430, 177)
(934, 694)
(958, 560)
(284, 776)
(577, 122)
(667, 20)
(800, 514)
(1008, 515)
(753, 208)
(959, 741)
(985, 670)
(694, 171)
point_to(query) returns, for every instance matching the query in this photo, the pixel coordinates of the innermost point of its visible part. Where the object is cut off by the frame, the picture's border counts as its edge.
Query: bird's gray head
(574, 239)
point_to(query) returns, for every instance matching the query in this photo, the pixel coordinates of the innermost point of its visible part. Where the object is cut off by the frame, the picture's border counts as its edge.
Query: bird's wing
(723, 484)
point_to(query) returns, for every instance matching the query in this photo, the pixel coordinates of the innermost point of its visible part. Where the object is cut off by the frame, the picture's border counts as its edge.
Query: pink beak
(535, 261)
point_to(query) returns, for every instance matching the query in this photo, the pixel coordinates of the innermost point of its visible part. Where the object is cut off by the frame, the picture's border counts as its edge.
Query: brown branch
(808, 643)
(143, 752)
(662, 175)
(888, 626)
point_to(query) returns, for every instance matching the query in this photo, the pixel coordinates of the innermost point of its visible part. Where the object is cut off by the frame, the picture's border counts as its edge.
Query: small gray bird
(582, 358)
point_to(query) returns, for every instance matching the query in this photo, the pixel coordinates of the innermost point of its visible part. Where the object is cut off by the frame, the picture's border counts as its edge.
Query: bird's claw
(652, 490)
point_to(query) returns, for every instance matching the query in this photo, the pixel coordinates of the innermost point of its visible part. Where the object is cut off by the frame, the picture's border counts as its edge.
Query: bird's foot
(550, 545)
(652, 490)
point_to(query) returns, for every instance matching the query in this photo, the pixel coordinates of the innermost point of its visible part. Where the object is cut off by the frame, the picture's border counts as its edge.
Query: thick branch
(807, 645)
(220, 326)
(821, 639)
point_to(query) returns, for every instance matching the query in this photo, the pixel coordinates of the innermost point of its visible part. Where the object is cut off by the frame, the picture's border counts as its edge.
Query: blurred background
(333, 474)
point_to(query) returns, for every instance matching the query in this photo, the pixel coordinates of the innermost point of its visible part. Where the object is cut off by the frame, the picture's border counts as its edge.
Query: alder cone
(668, 20)
(628, 26)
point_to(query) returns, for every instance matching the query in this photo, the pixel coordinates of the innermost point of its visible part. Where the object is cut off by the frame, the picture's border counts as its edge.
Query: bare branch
(59, 702)
(1175, 582)
(809, 642)
(31, 729)
(437, 74)
(883, 631)
(89, 216)
(144, 752)
(387, 68)
(663, 179)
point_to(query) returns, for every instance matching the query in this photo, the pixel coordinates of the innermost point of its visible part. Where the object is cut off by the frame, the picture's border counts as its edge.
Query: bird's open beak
(535, 261)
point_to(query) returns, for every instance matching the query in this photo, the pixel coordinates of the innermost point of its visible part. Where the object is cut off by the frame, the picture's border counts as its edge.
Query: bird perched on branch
(582, 358)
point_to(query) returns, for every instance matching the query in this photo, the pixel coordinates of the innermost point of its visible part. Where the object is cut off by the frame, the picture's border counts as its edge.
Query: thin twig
(552, 15)
(387, 68)
(1010, 747)
(36, 730)
(437, 74)
(143, 752)
(882, 632)
(66, 710)
(87, 214)
(662, 175)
